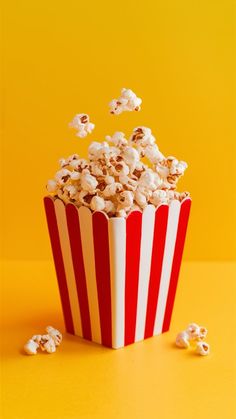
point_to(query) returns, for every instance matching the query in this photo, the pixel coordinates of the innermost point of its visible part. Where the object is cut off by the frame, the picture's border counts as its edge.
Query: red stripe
(179, 247)
(58, 260)
(102, 266)
(79, 271)
(159, 239)
(133, 242)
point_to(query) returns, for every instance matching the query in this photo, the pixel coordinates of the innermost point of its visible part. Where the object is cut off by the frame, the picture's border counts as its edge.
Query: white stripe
(86, 230)
(68, 264)
(172, 226)
(117, 251)
(148, 220)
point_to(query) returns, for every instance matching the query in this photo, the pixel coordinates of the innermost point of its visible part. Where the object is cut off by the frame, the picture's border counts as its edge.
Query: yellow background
(61, 58)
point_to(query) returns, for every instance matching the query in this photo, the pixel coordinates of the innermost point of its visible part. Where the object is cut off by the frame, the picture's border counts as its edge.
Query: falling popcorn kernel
(82, 124)
(128, 101)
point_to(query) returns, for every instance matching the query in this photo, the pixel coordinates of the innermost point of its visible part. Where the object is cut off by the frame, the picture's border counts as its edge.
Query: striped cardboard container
(117, 277)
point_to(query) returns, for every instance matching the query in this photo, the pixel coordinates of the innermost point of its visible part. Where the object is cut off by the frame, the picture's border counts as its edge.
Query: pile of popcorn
(194, 335)
(115, 179)
(48, 342)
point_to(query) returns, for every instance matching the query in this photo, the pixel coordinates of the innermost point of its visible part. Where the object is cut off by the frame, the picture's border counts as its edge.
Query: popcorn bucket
(117, 277)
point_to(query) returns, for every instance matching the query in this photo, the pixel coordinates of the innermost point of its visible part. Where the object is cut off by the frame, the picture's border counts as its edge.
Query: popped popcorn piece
(31, 347)
(63, 195)
(109, 179)
(79, 165)
(85, 198)
(95, 149)
(128, 101)
(182, 340)
(131, 157)
(62, 176)
(196, 332)
(88, 182)
(126, 199)
(170, 169)
(47, 344)
(140, 198)
(101, 184)
(193, 331)
(51, 185)
(55, 335)
(159, 197)
(129, 183)
(71, 159)
(142, 137)
(112, 189)
(97, 203)
(36, 338)
(82, 124)
(75, 175)
(120, 169)
(202, 333)
(148, 180)
(202, 348)
(62, 162)
(139, 169)
(109, 207)
(70, 191)
(153, 154)
(96, 169)
(178, 167)
(118, 138)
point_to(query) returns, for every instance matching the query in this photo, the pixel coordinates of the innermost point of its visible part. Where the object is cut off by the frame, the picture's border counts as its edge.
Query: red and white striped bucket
(117, 277)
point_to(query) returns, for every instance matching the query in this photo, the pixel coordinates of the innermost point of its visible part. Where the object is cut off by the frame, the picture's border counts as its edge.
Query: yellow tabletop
(150, 379)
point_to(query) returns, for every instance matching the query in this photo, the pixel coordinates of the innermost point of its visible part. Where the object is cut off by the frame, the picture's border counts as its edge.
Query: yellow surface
(61, 58)
(148, 380)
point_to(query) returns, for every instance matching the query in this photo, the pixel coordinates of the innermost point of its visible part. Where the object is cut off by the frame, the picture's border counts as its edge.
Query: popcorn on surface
(193, 330)
(55, 335)
(194, 335)
(47, 342)
(31, 347)
(202, 333)
(182, 340)
(203, 348)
